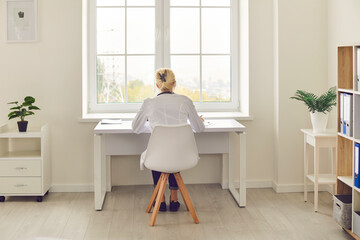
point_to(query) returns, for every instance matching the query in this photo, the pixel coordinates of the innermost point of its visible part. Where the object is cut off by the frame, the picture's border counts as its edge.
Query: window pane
(141, 2)
(187, 75)
(110, 30)
(141, 30)
(216, 30)
(184, 30)
(184, 2)
(215, 3)
(216, 78)
(104, 3)
(140, 78)
(110, 79)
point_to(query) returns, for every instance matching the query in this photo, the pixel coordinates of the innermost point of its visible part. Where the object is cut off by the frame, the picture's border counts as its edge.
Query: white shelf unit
(347, 83)
(25, 167)
(323, 178)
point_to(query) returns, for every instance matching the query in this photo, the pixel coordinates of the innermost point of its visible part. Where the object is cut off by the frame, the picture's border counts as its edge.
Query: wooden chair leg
(187, 208)
(152, 200)
(163, 178)
(186, 197)
(182, 195)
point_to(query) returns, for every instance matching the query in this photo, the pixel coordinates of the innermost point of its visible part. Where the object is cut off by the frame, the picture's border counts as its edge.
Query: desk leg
(99, 171)
(225, 171)
(316, 176)
(108, 173)
(306, 167)
(240, 197)
(242, 179)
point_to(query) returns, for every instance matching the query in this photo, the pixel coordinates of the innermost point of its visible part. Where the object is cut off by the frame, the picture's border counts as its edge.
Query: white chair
(171, 149)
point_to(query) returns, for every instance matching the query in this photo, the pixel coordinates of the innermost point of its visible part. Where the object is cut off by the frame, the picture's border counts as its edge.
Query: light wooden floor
(268, 215)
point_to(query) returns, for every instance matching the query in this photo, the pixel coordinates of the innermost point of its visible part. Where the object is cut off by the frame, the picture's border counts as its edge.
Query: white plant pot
(319, 121)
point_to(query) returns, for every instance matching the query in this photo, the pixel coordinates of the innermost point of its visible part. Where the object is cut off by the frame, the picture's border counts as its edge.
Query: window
(130, 39)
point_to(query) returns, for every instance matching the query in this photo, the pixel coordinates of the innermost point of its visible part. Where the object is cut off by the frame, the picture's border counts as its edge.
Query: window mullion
(126, 58)
(200, 34)
(159, 36)
(166, 24)
(93, 53)
(234, 54)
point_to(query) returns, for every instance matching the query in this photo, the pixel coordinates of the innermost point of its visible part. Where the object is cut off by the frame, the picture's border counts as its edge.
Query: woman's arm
(138, 124)
(195, 121)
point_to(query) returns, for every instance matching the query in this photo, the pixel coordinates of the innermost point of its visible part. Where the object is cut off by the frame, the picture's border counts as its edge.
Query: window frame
(162, 59)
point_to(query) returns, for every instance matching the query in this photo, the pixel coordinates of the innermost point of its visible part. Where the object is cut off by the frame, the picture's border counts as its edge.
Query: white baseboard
(75, 188)
(258, 184)
(279, 188)
(286, 188)
(72, 188)
(90, 188)
(250, 184)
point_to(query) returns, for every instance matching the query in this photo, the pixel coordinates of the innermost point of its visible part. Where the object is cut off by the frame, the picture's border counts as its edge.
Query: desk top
(218, 125)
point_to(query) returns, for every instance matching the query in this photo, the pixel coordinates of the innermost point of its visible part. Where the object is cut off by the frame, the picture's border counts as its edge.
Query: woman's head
(165, 79)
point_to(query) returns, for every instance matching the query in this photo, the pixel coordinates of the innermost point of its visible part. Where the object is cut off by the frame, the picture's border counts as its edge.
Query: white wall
(260, 144)
(301, 64)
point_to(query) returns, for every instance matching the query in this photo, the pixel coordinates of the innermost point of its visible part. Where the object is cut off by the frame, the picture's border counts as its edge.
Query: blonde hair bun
(165, 79)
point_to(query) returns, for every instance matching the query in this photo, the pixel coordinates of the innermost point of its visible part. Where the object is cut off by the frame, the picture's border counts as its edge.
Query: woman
(170, 109)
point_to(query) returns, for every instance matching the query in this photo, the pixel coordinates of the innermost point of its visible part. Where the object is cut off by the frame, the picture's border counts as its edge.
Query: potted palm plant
(23, 110)
(318, 106)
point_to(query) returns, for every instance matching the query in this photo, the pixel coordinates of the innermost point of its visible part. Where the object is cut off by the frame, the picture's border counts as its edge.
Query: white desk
(118, 139)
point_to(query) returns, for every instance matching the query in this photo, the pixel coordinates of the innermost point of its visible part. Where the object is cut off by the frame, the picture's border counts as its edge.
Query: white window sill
(96, 117)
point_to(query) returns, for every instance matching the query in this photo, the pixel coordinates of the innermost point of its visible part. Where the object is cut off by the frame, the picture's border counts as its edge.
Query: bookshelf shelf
(347, 180)
(347, 137)
(346, 90)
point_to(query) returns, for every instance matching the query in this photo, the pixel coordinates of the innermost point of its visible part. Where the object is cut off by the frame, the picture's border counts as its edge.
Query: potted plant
(21, 111)
(318, 106)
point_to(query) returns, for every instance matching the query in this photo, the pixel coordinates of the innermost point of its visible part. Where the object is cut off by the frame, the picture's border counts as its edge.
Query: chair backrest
(171, 148)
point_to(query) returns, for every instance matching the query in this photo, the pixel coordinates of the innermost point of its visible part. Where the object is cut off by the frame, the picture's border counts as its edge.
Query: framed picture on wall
(21, 20)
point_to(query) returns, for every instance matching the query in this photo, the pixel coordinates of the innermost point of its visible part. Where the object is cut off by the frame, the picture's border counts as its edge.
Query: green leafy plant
(23, 110)
(323, 103)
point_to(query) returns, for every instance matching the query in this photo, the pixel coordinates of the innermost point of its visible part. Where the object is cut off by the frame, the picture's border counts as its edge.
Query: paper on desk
(111, 121)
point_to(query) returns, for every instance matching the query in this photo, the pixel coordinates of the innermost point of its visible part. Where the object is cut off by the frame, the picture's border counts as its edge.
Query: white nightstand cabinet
(25, 166)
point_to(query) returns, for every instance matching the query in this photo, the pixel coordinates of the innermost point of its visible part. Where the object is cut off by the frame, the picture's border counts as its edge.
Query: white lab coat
(168, 109)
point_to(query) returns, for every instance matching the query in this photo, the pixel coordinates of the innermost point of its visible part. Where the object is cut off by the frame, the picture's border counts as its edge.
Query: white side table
(25, 165)
(326, 139)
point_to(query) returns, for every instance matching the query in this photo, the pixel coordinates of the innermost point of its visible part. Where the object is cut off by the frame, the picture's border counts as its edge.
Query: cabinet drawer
(18, 168)
(10, 185)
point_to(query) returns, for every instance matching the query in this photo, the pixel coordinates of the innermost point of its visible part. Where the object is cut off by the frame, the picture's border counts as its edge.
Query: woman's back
(168, 109)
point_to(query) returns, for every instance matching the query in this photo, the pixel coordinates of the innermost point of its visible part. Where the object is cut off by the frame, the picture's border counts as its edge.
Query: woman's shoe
(174, 206)
(162, 207)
